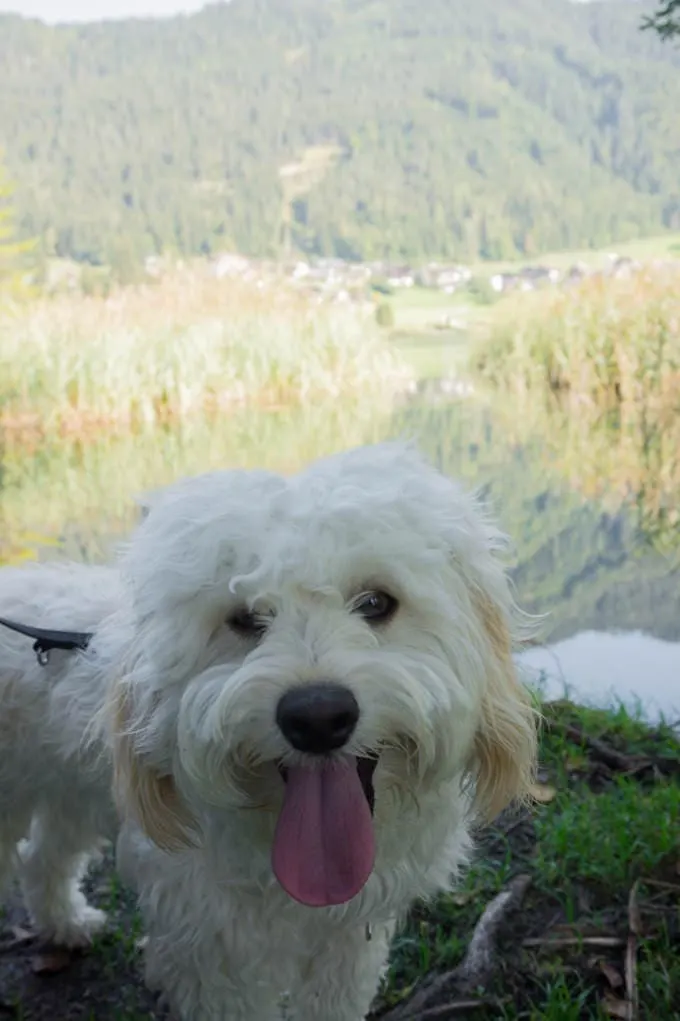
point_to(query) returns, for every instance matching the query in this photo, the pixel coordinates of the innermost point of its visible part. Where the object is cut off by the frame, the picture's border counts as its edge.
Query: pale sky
(96, 10)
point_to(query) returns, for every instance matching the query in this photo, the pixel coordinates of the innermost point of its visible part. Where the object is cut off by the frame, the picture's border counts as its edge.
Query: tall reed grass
(188, 343)
(597, 368)
(608, 342)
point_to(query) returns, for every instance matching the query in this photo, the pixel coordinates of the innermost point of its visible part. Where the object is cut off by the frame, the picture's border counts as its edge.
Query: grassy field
(435, 355)
(583, 890)
(432, 329)
(159, 352)
(419, 310)
(661, 246)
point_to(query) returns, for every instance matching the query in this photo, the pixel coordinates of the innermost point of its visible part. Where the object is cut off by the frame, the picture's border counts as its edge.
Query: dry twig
(604, 752)
(634, 928)
(661, 885)
(447, 1010)
(601, 751)
(576, 941)
(20, 937)
(477, 964)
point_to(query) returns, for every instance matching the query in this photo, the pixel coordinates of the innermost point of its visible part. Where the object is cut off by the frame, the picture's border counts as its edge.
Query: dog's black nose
(317, 718)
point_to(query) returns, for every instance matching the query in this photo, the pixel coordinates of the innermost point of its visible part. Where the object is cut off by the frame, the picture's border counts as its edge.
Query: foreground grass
(188, 343)
(602, 857)
(596, 936)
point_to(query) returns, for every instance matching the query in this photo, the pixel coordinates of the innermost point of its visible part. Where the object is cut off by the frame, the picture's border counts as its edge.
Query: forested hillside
(360, 128)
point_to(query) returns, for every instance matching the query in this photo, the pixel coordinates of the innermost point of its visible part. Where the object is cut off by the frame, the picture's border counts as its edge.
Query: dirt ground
(42, 983)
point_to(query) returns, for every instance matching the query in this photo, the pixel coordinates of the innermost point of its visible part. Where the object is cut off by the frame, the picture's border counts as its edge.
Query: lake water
(602, 668)
(588, 552)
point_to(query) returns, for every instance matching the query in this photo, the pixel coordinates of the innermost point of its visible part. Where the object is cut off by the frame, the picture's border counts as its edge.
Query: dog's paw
(79, 930)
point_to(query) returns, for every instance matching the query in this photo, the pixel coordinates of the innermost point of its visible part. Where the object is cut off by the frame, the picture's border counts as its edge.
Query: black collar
(46, 640)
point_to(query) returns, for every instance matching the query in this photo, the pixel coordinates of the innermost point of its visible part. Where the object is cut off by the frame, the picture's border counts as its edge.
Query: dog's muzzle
(324, 849)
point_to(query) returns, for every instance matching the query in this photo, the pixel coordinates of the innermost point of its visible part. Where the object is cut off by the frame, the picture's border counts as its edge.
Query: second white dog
(56, 802)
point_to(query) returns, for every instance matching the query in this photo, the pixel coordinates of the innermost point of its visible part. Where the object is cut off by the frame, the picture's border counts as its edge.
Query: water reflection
(592, 521)
(84, 492)
(600, 669)
(586, 562)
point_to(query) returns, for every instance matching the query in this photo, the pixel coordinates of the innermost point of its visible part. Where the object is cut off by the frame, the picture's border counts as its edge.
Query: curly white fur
(55, 802)
(187, 704)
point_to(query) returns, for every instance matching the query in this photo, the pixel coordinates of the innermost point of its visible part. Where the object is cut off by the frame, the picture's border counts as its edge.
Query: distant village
(325, 280)
(340, 281)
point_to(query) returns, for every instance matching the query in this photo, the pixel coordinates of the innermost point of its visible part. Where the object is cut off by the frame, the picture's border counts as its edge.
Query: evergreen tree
(665, 20)
(447, 130)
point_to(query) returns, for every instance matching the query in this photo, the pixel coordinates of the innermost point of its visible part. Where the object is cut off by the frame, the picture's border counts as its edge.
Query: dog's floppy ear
(141, 791)
(506, 741)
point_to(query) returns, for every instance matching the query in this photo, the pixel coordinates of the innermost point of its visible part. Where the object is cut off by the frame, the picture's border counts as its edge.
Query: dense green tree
(665, 20)
(356, 128)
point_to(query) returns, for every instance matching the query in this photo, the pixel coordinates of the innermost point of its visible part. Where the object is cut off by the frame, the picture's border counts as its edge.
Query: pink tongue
(323, 846)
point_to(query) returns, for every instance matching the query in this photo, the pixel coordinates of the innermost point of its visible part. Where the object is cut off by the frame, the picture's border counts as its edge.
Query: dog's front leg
(207, 974)
(200, 985)
(340, 980)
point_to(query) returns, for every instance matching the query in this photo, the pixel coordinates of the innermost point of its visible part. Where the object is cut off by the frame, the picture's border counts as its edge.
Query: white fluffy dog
(308, 691)
(54, 790)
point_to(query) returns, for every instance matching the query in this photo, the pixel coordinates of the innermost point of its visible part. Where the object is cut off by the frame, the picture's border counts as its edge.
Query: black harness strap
(46, 640)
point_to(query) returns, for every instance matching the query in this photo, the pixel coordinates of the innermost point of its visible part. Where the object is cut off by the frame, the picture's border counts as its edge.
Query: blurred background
(254, 232)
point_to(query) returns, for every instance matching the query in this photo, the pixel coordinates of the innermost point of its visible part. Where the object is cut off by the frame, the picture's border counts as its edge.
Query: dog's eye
(376, 607)
(249, 624)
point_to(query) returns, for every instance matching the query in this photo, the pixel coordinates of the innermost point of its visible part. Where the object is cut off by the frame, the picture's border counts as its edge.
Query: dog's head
(320, 648)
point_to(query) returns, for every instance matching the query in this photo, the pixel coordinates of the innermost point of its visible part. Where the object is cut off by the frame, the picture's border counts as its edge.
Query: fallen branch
(627, 1009)
(663, 765)
(576, 941)
(661, 885)
(20, 938)
(477, 964)
(666, 765)
(511, 825)
(600, 750)
(473, 971)
(447, 1010)
(604, 752)
(634, 927)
